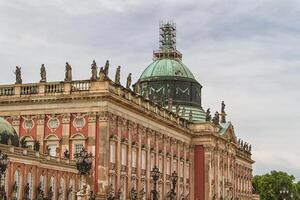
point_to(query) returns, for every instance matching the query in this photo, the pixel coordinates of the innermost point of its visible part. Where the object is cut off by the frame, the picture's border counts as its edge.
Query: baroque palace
(157, 122)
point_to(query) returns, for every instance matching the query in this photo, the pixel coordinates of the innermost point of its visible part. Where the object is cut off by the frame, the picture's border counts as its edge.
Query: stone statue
(128, 83)
(94, 71)
(118, 75)
(191, 115)
(36, 146)
(106, 68)
(50, 193)
(208, 115)
(67, 154)
(250, 148)
(183, 112)
(18, 75)
(216, 118)
(102, 75)
(26, 191)
(23, 143)
(223, 107)
(137, 88)
(177, 110)
(43, 74)
(68, 74)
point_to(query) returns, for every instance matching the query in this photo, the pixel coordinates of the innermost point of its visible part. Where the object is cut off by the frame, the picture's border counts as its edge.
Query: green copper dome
(8, 134)
(166, 67)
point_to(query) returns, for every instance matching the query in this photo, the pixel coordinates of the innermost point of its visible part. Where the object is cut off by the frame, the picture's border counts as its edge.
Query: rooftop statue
(137, 88)
(68, 73)
(106, 68)
(43, 74)
(128, 83)
(102, 75)
(94, 70)
(118, 75)
(18, 75)
(223, 107)
(216, 118)
(208, 115)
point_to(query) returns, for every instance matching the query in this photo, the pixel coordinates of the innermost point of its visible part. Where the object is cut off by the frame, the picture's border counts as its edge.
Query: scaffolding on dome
(167, 40)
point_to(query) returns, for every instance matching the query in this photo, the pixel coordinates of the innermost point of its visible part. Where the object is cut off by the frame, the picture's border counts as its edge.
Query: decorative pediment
(229, 134)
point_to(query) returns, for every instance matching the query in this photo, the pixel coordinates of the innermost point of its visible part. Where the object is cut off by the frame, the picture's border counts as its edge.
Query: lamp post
(3, 167)
(84, 162)
(155, 176)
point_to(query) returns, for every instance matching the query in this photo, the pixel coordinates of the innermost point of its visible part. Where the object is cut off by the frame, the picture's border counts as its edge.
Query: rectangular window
(133, 157)
(124, 155)
(77, 148)
(160, 163)
(181, 169)
(143, 159)
(175, 165)
(112, 152)
(187, 171)
(168, 166)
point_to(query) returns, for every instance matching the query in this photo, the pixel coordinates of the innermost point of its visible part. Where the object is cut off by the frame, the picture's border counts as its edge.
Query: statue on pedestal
(208, 115)
(223, 113)
(216, 118)
(68, 74)
(18, 75)
(106, 68)
(94, 71)
(43, 74)
(118, 75)
(128, 83)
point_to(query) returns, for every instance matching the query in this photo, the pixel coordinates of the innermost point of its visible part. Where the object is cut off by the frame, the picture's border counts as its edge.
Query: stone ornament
(53, 124)
(79, 122)
(128, 83)
(28, 124)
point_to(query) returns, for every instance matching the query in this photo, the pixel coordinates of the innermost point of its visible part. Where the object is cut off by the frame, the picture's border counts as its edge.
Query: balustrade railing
(7, 91)
(54, 88)
(29, 89)
(77, 86)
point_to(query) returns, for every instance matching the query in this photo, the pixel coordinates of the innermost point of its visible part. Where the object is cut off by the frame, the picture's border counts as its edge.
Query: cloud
(243, 52)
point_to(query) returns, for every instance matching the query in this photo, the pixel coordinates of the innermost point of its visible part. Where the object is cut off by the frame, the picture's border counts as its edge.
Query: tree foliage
(268, 186)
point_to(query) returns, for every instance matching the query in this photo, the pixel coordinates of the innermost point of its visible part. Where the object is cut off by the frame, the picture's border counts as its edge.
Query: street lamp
(155, 176)
(3, 167)
(84, 162)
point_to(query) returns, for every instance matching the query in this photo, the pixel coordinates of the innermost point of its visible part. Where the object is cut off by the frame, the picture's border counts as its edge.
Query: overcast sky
(243, 52)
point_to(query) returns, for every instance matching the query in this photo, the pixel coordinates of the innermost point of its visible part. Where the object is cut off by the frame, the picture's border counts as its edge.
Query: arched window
(78, 142)
(29, 181)
(52, 142)
(17, 182)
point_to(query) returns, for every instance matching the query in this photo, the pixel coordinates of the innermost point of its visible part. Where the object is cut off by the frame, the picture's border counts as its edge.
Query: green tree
(268, 186)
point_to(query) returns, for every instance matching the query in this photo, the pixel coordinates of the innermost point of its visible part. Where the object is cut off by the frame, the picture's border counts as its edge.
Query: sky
(246, 53)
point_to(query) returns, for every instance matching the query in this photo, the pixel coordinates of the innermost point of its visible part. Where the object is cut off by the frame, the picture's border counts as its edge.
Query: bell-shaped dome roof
(8, 134)
(166, 67)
